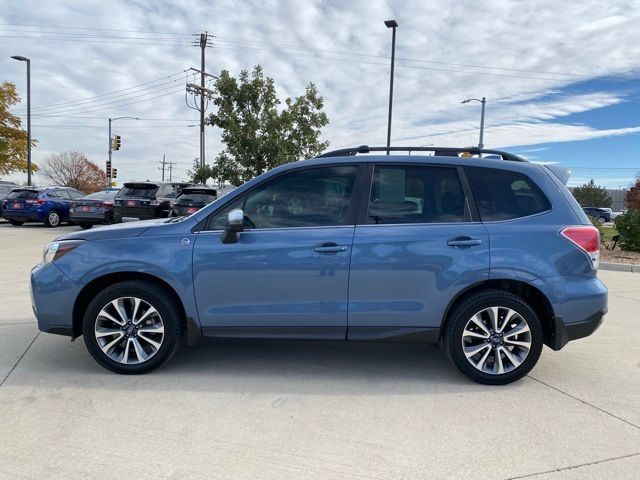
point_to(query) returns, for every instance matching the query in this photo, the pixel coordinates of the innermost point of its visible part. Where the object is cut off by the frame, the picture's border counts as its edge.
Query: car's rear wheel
(494, 337)
(52, 219)
(85, 226)
(132, 327)
(602, 219)
(15, 223)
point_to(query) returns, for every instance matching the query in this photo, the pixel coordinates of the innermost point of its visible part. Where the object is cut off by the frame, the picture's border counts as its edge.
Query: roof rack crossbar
(438, 151)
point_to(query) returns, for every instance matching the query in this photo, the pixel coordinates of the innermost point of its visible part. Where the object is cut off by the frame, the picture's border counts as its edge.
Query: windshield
(22, 194)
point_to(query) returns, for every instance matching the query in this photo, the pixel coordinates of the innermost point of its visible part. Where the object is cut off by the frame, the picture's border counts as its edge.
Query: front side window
(416, 194)
(504, 195)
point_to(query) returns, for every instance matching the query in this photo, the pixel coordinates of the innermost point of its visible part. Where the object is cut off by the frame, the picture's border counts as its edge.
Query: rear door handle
(462, 242)
(330, 248)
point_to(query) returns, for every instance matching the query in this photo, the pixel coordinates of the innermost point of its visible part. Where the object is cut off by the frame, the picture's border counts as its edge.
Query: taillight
(154, 202)
(31, 201)
(587, 238)
(41, 201)
(106, 204)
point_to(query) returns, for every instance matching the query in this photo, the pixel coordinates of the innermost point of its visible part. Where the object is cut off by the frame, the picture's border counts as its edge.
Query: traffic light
(108, 168)
(115, 173)
(117, 142)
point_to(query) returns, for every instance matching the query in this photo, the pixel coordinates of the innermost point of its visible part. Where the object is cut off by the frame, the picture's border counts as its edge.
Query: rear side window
(504, 195)
(416, 194)
(22, 194)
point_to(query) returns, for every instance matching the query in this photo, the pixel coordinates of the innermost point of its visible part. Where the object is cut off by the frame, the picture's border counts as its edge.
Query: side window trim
(470, 211)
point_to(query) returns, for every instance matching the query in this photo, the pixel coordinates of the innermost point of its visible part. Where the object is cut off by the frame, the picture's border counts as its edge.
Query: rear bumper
(563, 334)
(93, 218)
(140, 213)
(24, 216)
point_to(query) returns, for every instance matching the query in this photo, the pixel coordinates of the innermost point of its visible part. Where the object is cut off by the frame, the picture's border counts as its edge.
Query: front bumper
(53, 297)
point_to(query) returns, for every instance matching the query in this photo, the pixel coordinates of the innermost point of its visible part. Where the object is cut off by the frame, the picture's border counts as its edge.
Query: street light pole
(28, 60)
(483, 101)
(393, 25)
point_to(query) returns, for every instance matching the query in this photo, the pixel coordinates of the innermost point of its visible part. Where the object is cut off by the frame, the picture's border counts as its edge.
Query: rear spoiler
(562, 173)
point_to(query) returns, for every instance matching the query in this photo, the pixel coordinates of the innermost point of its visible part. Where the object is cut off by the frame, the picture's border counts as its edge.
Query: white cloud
(583, 40)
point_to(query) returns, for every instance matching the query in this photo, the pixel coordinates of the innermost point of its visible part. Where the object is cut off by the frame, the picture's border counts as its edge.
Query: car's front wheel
(85, 226)
(132, 327)
(494, 337)
(16, 223)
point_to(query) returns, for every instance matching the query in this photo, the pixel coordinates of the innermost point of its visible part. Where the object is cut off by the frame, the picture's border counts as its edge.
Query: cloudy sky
(561, 78)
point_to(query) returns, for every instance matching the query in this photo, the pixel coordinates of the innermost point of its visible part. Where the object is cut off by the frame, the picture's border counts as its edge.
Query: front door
(288, 274)
(417, 248)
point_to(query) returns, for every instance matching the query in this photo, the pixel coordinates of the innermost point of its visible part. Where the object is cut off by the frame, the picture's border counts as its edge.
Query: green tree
(257, 132)
(592, 195)
(13, 139)
(200, 174)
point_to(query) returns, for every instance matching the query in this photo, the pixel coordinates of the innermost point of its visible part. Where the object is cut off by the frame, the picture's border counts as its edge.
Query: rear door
(416, 248)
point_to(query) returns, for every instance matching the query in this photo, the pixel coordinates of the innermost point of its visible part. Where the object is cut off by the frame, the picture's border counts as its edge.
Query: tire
(603, 219)
(16, 223)
(52, 219)
(85, 226)
(115, 344)
(485, 366)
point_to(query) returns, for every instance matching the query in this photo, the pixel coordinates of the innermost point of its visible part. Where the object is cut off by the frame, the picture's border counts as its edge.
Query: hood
(118, 230)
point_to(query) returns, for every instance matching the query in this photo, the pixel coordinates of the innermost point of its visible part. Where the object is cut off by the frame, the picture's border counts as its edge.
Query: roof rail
(437, 151)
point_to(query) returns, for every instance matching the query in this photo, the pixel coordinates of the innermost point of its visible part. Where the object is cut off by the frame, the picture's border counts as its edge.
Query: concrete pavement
(280, 410)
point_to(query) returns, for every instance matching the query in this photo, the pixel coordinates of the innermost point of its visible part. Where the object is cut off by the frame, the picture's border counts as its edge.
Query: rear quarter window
(505, 195)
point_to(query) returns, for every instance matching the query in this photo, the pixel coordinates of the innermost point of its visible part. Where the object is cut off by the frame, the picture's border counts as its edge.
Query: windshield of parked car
(22, 194)
(139, 190)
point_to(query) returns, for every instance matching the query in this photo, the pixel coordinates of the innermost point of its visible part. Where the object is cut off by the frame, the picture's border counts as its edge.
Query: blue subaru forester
(485, 253)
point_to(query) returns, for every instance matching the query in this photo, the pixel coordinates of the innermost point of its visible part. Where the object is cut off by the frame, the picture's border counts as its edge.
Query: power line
(113, 92)
(88, 28)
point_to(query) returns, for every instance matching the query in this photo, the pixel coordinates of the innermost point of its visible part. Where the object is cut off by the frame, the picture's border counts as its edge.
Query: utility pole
(163, 165)
(28, 60)
(203, 43)
(203, 46)
(171, 164)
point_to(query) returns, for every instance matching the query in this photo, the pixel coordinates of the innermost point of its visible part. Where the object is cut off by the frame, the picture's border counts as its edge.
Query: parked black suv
(145, 200)
(598, 213)
(192, 199)
(5, 188)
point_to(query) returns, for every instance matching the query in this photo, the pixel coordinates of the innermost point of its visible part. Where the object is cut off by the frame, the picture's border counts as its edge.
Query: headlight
(55, 250)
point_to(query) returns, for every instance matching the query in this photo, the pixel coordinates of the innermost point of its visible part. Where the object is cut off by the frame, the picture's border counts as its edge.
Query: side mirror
(235, 225)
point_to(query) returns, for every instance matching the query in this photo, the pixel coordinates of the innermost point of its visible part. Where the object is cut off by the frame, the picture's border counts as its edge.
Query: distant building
(618, 199)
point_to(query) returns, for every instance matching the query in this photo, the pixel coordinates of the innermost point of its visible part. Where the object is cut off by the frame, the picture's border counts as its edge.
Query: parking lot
(285, 410)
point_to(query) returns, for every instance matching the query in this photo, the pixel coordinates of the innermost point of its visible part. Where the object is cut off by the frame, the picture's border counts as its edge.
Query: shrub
(628, 225)
(598, 224)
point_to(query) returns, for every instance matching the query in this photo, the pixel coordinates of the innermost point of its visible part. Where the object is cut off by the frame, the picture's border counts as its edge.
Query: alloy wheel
(496, 340)
(54, 219)
(129, 330)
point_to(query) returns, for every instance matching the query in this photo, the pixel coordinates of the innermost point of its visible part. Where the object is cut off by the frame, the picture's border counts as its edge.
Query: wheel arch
(532, 295)
(88, 292)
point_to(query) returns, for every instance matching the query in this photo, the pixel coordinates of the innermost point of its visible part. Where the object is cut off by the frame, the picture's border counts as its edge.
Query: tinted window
(416, 194)
(22, 194)
(304, 198)
(144, 191)
(195, 198)
(503, 195)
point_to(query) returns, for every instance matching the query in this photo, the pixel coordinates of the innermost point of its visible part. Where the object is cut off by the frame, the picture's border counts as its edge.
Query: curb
(619, 267)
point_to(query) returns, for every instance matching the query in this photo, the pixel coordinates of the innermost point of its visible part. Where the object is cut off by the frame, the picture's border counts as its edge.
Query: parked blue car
(491, 257)
(48, 205)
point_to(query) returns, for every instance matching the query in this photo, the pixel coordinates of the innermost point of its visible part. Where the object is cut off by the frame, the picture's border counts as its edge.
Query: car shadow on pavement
(256, 366)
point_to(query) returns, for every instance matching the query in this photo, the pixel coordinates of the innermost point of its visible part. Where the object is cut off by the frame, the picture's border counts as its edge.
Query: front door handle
(330, 248)
(463, 242)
